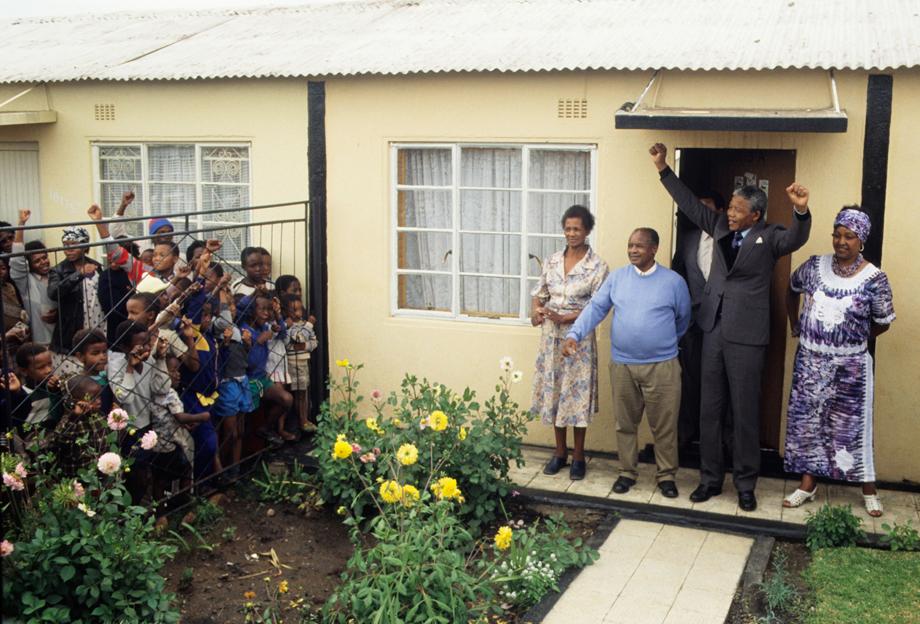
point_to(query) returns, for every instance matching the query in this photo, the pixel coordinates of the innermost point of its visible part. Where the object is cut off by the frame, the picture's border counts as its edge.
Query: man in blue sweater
(651, 311)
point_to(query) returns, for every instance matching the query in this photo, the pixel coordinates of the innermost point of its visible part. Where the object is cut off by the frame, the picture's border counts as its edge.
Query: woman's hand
(539, 314)
(795, 329)
(556, 317)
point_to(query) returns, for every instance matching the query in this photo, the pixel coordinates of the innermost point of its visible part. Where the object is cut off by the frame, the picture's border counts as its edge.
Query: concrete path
(650, 573)
(899, 506)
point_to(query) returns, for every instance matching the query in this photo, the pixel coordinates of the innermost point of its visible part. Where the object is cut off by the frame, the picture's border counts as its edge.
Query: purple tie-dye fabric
(829, 423)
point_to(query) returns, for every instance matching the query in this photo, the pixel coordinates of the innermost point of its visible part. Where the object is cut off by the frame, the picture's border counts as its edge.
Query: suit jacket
(741, 294)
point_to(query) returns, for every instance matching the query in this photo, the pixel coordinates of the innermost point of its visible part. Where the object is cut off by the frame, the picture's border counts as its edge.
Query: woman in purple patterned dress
(565, 388)
(829, 425)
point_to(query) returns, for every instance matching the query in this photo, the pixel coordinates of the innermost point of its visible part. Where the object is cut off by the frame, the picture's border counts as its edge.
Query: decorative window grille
(473, 224)
(176, 178)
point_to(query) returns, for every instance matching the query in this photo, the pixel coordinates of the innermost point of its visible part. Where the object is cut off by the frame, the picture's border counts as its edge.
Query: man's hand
(95, 212)
(187, 329)
(246, 336)
(49, 317)
(798, 195)
(569, 347)
(88, 269)
(659, 154)
(24, 216)
(212, 245)
(183, 271)
(126, 200)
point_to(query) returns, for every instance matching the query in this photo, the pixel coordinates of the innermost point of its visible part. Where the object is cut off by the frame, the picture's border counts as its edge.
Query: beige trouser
(655, 390)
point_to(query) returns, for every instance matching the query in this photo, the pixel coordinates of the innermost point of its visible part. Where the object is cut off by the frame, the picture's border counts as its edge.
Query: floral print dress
(565, 388)
(829, 421)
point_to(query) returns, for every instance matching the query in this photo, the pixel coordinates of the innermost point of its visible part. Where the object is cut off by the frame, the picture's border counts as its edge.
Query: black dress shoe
(554, 465)
(703, 493)
(668, 489)
(747, 501)
(622, 485)
(577, 471)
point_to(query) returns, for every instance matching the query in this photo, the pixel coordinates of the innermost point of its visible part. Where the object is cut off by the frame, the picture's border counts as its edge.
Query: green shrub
(473, 443)
(294, 485)
(833, 526)
(901, 536)
(779, 594)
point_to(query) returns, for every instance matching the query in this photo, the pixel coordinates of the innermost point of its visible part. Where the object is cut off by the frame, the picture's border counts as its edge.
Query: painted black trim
(624, 120)
(879, 93)
(319, 271)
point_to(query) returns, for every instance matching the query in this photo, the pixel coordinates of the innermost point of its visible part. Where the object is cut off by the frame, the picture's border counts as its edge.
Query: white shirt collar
(646, 273)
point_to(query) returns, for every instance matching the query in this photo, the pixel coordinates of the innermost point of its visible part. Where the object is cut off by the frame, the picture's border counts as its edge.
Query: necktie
(736, 241)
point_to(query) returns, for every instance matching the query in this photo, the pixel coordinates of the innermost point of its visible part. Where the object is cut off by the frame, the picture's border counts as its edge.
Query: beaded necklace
(846, 271)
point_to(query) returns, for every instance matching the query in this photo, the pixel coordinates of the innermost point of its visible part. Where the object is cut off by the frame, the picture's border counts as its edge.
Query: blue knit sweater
(650, 313)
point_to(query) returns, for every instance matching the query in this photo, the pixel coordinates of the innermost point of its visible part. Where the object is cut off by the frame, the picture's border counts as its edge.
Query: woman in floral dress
(829, 426)
(565, 389)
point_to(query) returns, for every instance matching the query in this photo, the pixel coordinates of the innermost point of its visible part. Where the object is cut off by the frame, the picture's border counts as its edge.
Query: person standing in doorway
(651, 310)
(735, 318)
(565, 389)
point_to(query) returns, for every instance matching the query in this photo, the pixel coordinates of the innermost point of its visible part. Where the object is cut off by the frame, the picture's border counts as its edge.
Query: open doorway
(724, 170)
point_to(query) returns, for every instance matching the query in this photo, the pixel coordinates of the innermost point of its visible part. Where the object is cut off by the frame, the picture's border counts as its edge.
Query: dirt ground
(750, 607)
(312, 549)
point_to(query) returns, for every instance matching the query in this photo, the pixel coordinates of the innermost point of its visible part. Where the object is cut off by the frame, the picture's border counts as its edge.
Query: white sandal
(873, 505)
(799, 498)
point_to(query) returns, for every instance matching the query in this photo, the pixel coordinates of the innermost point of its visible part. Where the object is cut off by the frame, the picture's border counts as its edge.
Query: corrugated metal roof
(341, 38)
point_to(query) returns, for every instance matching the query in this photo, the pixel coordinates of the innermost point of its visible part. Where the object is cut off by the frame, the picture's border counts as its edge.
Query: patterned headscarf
(74, 234)
(855, 220)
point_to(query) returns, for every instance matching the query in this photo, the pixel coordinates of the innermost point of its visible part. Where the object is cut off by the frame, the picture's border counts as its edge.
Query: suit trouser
(732, 374)
(655, 390)
(691, 351)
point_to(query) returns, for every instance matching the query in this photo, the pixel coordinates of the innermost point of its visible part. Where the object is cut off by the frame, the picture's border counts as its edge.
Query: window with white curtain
(175, 178)
(473, 223)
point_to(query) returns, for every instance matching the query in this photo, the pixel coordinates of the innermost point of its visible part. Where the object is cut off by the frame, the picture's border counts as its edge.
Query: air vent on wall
(572, 108)
(105, 112)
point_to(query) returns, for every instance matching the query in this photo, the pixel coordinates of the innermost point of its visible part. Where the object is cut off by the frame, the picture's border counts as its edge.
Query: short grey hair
(755, 197)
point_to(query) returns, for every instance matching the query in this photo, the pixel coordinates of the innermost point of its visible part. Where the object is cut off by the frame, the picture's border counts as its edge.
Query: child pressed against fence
(91, 348)
(38, 400)
(258, 314)
(301, 341)
(79, 437)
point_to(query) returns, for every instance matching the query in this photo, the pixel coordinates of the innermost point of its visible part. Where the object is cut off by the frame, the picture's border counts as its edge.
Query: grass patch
(861, 585)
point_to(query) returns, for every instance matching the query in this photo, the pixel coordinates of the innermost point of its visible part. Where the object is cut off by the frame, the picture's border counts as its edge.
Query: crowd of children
(151, 342)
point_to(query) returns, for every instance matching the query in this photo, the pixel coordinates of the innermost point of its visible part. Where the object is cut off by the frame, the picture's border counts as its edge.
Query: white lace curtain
(492, 227)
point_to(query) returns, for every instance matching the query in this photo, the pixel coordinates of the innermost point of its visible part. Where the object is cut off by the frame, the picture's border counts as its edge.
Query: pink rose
(118, 419)
(368, 457)
(376, 394)
(149, 440)
(13, 482)
(6, 548)
(355, 447)
(21, 471)
(78, 490)
(109, 463)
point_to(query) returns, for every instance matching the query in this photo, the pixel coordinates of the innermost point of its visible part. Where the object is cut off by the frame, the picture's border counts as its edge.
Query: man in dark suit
(692, 260)
(734, 315)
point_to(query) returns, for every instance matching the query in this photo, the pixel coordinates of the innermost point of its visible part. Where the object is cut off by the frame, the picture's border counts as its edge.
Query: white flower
(506, 363)
(6, 548)
(78, 490)
(109, 463)
(149, 440)
(118, 419)
(517, 376)
(89, 512)
(20, 471)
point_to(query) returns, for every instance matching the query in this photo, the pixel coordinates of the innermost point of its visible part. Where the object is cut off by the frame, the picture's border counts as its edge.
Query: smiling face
(641, 251)
(740, 216)
(163, 258)
(39, 263)
(575, 232)
(73, 254)
(846, 244)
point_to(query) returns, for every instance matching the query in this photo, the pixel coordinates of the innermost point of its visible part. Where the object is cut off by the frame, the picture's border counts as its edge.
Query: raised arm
(686, 201)
(789, 240)
(19, 266)
(120, 228)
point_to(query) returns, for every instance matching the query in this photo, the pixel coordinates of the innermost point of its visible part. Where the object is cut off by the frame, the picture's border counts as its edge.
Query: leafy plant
(228, 534)
(186, 580)
(534, 561)
(269, 612)
(294, 485)
(779, 594)
(833, 526)
(474, 443)
(901, 536)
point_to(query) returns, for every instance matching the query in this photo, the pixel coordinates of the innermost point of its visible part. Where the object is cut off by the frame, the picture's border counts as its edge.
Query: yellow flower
(283, 587)
(390, 491)
(503, 538)
(341, 450)
(379, 479)
(438, 420)
(397, 422)
(446, 488)
(407, 454)
(250, 595)
(371, 423)
(341, 510)
(410, 494)
(342, 363)
(340, 437)
(461, 435)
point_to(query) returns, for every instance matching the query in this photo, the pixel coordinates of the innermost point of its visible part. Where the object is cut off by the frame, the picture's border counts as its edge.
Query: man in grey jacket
(735, 318)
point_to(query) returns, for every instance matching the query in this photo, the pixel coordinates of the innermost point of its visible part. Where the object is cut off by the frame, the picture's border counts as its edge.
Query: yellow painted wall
(365, 115)
(271, 115)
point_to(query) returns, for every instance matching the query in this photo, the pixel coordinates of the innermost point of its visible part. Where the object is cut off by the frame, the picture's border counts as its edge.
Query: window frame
(194, 222)
(526, 282)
